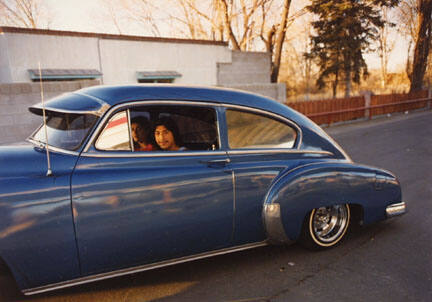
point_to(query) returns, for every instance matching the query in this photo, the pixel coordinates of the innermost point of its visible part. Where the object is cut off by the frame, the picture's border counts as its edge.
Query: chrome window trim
(131, 143)
(52, 148)
(274, 115)
(128, 154)
(118, 107)
(99, 136)
(137, 269)
(201, 153)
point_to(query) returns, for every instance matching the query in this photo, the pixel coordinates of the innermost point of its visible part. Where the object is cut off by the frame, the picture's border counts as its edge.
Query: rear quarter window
(251, 130)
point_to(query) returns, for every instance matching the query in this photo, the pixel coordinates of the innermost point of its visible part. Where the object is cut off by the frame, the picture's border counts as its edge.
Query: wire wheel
(326, 226)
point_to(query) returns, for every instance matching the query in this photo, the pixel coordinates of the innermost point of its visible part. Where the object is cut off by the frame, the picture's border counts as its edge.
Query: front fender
(298, 191)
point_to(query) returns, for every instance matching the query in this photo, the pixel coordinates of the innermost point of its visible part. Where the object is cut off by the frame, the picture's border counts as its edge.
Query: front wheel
(325, 227)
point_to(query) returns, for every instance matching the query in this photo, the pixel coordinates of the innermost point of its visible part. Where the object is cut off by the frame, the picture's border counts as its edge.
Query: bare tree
(422, 46)
(279, 40)
(24, 13)
(386, 46)
(406, 14)
(244, 24)
(110, 11)
(142, 12)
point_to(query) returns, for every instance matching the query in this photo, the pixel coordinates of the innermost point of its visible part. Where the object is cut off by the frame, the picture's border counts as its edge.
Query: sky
(89, 16)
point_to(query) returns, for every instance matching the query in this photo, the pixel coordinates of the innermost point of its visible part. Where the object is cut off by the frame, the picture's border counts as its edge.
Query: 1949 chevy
(86, 204)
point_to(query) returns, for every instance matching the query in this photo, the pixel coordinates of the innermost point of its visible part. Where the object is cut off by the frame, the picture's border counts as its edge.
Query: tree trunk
(347, 81)
(280, 38)
(227, 21)
(421, 50)
(335, 84)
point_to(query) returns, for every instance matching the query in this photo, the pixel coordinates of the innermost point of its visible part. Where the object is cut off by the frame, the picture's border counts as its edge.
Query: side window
(250, 130)
(161, 128)
(115, 135)
(174, 128)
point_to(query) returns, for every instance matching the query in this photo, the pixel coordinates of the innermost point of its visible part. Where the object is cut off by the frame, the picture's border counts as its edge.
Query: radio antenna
(49, 172)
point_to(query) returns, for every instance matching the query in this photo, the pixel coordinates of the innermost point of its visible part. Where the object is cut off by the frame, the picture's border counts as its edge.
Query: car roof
(98, 99)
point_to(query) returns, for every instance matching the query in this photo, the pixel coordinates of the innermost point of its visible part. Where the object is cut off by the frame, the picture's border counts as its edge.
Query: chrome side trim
(52, 148)
(234, 204)
(396, 209)
(273, 224)
(278, 151)
(122, 272)
(277, 116)
(152, 154)
(201, 153)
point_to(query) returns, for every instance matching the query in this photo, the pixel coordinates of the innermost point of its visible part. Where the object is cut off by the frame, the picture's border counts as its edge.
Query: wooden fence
(339, 110)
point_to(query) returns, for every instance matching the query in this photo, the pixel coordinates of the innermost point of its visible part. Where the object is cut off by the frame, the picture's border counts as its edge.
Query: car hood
(26, 159)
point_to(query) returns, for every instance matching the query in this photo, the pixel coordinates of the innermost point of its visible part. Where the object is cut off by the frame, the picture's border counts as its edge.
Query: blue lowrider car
(81, 202)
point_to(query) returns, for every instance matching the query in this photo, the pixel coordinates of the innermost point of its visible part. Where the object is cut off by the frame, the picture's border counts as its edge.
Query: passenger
(141, 128)
(167, 135)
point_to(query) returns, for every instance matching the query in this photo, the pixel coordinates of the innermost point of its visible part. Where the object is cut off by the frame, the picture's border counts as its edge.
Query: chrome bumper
(396, 209)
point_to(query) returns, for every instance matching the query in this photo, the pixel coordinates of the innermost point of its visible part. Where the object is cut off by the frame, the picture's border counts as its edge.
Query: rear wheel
(325, 227)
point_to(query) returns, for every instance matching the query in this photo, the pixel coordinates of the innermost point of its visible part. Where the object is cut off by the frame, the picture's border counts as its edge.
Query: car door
(136, 208)
(260, 146)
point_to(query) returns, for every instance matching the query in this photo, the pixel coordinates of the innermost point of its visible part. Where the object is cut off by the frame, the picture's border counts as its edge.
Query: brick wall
(16, 122)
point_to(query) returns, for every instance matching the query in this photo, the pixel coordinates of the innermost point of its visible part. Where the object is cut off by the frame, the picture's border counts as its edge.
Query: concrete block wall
(16, 122)
(245, 68)
(276, 91)
(251, 71)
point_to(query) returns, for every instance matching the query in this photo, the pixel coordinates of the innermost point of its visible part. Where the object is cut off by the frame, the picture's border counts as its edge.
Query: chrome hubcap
(329, 223)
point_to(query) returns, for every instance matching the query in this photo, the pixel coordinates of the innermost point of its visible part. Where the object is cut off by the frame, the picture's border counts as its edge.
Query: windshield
(66, 130)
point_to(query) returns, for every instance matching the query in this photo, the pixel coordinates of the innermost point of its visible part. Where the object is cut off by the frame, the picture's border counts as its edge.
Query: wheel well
(4, 268)
(356, 215)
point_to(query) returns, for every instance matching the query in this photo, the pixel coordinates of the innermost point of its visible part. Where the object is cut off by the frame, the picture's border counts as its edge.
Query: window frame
(90, 149)
(126, 111)
(267, 114)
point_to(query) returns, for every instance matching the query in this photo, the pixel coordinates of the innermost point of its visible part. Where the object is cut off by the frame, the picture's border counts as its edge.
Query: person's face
(165, 139)
(138, 133)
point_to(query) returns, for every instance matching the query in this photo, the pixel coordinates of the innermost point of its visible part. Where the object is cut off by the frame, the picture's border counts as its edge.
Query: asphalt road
(390, 261)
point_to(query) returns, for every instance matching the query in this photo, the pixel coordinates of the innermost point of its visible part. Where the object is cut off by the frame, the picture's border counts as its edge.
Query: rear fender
(298, 191)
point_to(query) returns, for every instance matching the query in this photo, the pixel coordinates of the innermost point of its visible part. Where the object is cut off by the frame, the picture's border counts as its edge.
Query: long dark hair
(145, 125)
(171, 126)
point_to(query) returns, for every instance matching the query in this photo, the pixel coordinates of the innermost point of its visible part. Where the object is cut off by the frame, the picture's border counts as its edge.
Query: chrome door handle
(216, 162)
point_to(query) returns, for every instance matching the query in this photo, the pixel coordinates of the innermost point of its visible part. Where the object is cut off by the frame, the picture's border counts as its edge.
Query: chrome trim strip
(277, 151)
(98, 112)
(131, 144)
(122, 272)
(234, 203)
(201, 153)
(396, 209)
(153, 154)
(129, 104)
(52, 148)
(273, 224)
(277, 116)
